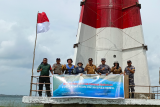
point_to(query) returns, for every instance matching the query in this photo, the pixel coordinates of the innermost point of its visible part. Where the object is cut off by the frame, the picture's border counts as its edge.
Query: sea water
(14, 101)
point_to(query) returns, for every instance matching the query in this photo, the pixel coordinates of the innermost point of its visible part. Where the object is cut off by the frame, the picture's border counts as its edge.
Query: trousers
(131, 89)
(44, 80)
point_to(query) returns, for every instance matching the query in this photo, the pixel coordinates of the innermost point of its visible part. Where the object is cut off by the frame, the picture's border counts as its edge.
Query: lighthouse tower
(112, 29)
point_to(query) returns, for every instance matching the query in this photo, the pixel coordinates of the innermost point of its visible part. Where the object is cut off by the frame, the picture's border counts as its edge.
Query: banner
(88, 86)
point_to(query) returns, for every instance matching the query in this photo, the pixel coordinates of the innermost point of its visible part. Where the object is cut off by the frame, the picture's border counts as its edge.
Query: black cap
(58, 59)
(70, 59)
(103, 59)
(129, 61)
(79, 63)
(116, 62)
(90, 59)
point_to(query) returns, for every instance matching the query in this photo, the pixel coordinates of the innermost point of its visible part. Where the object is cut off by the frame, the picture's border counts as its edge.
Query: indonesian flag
(42, 23)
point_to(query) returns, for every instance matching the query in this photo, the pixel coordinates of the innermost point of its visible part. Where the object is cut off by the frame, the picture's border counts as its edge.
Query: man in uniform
(90, 68)
(68, 68)
(44, 71)
(57, 67)
(103, 68)
(130, 70)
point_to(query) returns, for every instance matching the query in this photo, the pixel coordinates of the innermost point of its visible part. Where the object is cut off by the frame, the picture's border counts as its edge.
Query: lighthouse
(112, 29)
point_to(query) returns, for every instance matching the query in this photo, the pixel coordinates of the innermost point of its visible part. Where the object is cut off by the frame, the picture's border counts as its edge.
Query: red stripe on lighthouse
(133, 16)
(88, 13)
(109, 13)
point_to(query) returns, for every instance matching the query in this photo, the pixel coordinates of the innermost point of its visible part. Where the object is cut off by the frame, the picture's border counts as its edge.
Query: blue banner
(89, 86)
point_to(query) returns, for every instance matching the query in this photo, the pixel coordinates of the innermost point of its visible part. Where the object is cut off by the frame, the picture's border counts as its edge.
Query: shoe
(49, 96)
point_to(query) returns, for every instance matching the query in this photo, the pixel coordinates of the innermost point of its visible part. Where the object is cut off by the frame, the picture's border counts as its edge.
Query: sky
(18, 31)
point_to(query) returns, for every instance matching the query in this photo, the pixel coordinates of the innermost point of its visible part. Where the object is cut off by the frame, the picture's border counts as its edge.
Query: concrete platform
(61, 102)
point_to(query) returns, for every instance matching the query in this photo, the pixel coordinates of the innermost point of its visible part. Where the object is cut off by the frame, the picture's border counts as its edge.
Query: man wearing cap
(57, 67)
(68, 68)
(103, 68)
(90, 68)
(79, 69)
(130, 70)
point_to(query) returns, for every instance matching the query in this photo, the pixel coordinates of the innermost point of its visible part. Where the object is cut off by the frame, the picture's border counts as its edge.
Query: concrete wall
(114, 41)
(108, 43)
(88, 101)
(91, 105)
(86, 49)
(133, 50)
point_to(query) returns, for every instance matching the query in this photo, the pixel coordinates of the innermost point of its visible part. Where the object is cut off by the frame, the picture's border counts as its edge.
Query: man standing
(68, 68)
(103, 68)
(57, 67)
(44, 71)
(90, 68)
(130, 70)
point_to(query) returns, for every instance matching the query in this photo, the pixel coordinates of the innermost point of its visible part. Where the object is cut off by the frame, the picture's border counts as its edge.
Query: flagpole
(33, 58)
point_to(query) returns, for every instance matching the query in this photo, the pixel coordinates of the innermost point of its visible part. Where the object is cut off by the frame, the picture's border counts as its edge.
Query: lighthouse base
(87, 102)
(93, 105)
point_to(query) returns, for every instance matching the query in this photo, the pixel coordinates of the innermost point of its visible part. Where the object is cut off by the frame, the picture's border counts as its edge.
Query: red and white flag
(42, 23)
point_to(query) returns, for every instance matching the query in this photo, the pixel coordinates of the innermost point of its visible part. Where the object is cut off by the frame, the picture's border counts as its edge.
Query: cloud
(151, 24)
(17, 37)
(18, 25)
(5, 26)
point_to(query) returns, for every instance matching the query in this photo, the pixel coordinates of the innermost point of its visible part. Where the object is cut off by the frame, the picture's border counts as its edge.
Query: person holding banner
(103, 68)
(57, 67)
(90, 68)
(44, 71)
(116, 69)
(130, 70)
(79, 69)
(68, 68)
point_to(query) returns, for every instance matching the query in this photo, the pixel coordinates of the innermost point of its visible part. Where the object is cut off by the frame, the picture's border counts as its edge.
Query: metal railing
(151, 94)
(37, 84)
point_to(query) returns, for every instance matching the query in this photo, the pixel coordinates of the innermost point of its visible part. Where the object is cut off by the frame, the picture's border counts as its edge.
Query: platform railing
(150, 95)
(37, 84)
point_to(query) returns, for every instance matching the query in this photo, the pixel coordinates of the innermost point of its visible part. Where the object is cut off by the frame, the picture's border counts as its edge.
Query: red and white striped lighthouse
(112, 29)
